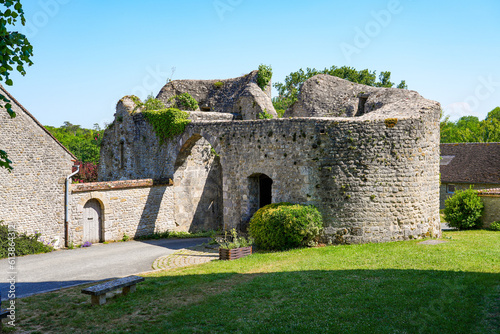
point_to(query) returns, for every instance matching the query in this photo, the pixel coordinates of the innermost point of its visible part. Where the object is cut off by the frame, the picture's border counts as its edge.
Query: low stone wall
(444, 194)
(134, 208)
(491, 200)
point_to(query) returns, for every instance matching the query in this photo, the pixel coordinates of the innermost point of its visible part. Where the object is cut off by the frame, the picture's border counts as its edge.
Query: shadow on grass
(26, 289)
(350, 301)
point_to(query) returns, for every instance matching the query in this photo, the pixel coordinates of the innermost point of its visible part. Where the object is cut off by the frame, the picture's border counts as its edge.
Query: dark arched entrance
(260, 187)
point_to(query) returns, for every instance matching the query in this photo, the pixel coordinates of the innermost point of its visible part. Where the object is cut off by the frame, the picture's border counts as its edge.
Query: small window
(450, 188)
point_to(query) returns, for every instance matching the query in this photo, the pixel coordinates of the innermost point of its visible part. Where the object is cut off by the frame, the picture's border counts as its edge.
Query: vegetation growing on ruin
(265, 115)
(153, 103)
(264, 76)
(218, 84)
(391, 122)
(281, 226)
(167, 123)
(184, 101)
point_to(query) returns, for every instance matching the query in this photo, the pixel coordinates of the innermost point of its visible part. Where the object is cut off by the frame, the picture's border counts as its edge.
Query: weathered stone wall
(491, 201)
(444, 195)
(135, 208)
(32, 196)
(371, 182)
(374, 175)
(240, 96)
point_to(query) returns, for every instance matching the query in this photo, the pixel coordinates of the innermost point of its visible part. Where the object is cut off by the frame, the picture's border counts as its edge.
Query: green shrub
(153, 103)
(495, 226)
(24, 244)
(265, 115)
(280, 226)
(184, 101)
(264, 76)
(464, 209)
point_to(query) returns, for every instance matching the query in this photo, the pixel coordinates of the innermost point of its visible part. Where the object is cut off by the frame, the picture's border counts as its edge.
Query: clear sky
(88, 53)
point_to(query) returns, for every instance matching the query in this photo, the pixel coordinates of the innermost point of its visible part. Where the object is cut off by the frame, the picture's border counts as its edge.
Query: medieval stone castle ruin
(366, 157)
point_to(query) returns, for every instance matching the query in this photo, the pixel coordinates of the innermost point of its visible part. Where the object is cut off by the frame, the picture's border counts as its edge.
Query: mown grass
(399, 287)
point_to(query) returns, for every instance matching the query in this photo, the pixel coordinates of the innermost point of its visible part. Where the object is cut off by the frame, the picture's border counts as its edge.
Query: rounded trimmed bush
(464, 210)
(280, 226)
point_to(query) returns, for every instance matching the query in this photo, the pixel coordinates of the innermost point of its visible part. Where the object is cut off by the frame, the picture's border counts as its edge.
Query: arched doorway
(198, 193)
(92, 221)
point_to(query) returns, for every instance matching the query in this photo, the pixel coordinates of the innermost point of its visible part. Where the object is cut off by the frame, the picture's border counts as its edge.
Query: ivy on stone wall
(167, 123)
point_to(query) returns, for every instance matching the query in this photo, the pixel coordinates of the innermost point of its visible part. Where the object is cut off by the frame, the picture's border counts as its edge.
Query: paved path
(64, 268)
(187, 257)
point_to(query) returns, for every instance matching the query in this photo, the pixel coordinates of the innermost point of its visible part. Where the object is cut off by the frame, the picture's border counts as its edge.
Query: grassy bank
(399, 287)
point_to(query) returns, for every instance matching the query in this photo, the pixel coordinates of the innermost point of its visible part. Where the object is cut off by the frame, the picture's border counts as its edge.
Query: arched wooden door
(92, 221)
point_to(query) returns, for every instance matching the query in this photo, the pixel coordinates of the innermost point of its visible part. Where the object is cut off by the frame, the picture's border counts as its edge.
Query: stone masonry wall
(371, 182)
(444, 195)
(491, 201)
(32, 196)
(134, 208)
(374, 175)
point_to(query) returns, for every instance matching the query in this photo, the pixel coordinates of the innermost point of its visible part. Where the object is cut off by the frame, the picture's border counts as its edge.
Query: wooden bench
(98, 292)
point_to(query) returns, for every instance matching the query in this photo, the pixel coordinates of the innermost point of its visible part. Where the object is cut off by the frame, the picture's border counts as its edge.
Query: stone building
(465, 165)
(32, 195)
(367, 157)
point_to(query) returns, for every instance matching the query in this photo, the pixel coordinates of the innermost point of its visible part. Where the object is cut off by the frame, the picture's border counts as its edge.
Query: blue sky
(88, 54)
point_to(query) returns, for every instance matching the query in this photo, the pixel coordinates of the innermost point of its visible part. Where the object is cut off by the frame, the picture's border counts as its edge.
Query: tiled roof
(470, 163)
(494, 191)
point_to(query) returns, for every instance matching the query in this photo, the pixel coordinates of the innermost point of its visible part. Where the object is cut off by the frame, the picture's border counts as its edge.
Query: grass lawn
(398, 287)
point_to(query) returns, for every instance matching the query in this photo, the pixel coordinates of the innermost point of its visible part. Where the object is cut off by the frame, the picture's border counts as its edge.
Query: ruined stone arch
(191, 136)
(198, 194)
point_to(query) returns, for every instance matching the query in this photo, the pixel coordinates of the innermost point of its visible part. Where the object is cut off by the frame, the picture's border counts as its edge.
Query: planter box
(233, 254)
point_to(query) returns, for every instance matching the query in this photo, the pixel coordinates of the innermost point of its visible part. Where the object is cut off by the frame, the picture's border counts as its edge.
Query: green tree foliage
(464, 210)
(15, 53)
(280, 226)
(83, 143)
(468, 129)
(289, 90)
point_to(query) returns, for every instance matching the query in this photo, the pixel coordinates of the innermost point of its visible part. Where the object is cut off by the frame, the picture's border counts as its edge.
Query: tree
(289, 90)
(83, 143)
(15, 53)
(468, 129)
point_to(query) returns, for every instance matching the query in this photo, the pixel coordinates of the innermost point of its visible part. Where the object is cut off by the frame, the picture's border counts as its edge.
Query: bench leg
(99, 300)
(128, 289)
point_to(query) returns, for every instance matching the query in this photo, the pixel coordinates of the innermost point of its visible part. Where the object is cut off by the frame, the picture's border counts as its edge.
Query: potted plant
(234, 247)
